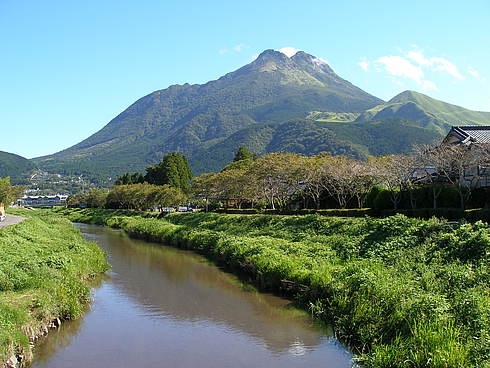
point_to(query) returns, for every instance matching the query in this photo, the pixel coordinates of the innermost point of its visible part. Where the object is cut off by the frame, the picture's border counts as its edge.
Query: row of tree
(289, 180)
(279, 180)
(164, 185)
(140, 196)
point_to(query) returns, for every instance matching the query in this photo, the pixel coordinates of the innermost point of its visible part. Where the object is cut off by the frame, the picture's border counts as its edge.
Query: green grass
(402, 292)
(45, 268)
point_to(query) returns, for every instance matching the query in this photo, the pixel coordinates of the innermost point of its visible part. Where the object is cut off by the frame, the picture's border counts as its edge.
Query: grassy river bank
(402, 292)
(46, 268)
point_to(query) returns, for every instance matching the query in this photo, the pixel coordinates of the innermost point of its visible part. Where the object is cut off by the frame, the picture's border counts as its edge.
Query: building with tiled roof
(468, 134)
(479, 175)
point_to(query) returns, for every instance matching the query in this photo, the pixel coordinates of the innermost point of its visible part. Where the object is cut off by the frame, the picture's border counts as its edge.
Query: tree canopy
(8, 193)
(173, 170)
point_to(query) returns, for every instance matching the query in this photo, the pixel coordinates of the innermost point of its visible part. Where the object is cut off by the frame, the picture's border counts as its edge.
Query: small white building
(43, 201)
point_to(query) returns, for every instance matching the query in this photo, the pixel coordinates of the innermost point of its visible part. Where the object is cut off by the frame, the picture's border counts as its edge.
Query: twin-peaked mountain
(276, 103)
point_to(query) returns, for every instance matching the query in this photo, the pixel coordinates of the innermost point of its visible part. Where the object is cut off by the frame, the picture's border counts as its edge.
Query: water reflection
(166, 305)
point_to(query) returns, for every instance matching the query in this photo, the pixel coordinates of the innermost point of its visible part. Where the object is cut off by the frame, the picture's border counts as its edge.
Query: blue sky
(68, 67)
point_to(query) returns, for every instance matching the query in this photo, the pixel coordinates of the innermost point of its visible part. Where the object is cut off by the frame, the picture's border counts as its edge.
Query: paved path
(11, 220)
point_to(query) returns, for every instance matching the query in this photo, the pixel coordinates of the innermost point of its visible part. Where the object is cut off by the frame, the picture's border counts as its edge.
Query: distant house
(43, 201)
(468, 136)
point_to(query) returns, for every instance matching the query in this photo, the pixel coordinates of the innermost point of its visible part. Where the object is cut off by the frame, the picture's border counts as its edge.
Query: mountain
(14, 166)
(425, 111)
(192, 119)
(276, 103)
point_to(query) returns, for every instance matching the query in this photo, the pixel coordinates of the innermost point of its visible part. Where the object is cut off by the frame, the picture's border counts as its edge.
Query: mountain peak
(192, 119)
(270, 60)
(306, 60)
(406, 96)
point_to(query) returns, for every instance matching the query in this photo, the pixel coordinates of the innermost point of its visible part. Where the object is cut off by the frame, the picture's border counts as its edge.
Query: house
(473, 136)
(467, 135)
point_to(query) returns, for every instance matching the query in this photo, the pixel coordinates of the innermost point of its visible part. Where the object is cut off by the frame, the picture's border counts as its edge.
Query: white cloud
(474, 73)
(444, 65)
(400, 67)
(414, 65)
(240, 47)
(237, 48)
(418, 57)
(364, 64)
(438, 64)
(288, 51)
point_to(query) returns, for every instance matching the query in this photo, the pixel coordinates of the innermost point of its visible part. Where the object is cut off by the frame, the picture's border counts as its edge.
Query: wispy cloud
(398, 66)
(237, 48)
(438, 64)
(414, 66)
(474, 73)
(364, 64)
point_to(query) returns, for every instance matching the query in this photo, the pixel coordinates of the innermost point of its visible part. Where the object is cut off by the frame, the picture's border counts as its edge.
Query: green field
(46, 268)
(401, 292)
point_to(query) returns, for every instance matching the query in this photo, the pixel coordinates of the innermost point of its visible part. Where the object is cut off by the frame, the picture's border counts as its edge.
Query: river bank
(160, 306)
(402, 292)
(46, 267)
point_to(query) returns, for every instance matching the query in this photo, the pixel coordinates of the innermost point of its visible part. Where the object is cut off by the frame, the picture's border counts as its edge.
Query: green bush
(44, 272)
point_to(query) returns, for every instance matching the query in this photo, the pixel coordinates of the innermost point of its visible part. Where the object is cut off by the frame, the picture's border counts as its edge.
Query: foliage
(287, 181)
(173, 170)
(8, 193)
(144, 197)
(127, 178)
(44, 272)
(399, 290)
(94, 198)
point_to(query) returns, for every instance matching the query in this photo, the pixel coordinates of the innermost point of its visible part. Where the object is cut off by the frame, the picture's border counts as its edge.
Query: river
(165, 307)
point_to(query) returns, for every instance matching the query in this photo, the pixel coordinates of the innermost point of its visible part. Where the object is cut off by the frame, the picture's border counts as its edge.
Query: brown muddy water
(164, 307)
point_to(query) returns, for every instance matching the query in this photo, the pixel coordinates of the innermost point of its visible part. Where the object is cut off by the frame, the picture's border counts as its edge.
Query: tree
(128, 178)
(8, 192)
(364, 177)
(233, 185)
(166, 196)
(458, 165)
(276, 177)
(337, 178)
(310, 183)
(395, 172)
(173, 170)
(203, 188)
(96, 198)
(244, 154)
(243, 160)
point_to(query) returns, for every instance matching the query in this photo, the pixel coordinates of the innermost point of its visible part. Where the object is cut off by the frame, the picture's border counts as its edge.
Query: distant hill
(276, 103)
(14, 166)
(425, 111)
(192, 119)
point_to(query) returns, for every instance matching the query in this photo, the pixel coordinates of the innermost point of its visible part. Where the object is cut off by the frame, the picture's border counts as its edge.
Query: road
(11, 220)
